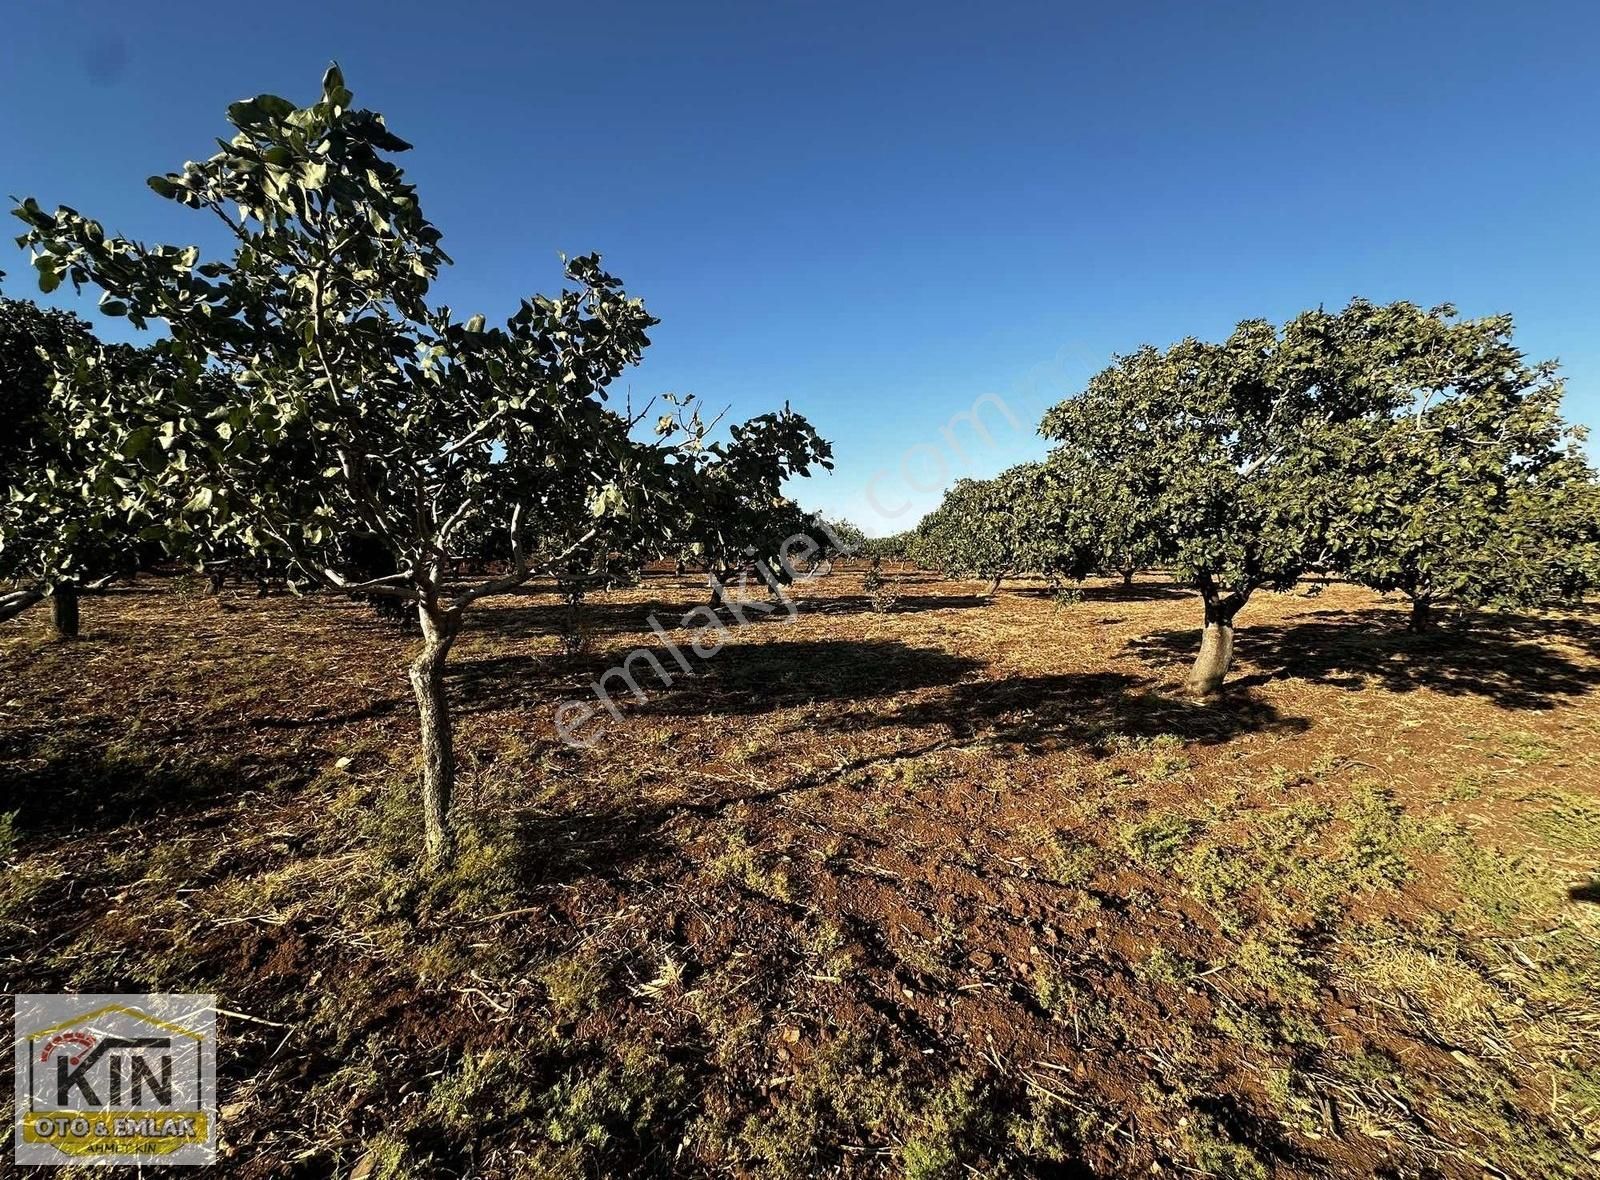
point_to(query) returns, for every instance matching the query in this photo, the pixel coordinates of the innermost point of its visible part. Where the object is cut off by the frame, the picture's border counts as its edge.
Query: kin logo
(72, 1073)
(115, 1079)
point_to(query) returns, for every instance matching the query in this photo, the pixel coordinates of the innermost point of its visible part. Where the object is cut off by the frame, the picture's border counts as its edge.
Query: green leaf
(263, 109)
(136, 442)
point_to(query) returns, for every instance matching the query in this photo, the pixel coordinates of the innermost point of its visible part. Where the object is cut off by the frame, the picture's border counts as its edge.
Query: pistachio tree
(313, 388)
(30, 336)
(1232, 456)
(1474, 492)
(895, 547)
(843, 536)
(973, 534)
(1060, 524)
(737, 512)
(1030, 519)
(72, 509)
(1124, 534)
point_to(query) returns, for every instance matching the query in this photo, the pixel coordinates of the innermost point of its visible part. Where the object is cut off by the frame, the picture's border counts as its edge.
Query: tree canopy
(72, 508)
(1474, 492)
(972, 534)
(1028, 519)
(735, 507)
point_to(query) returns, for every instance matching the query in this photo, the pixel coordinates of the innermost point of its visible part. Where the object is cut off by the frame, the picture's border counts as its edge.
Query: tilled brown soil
(963, 887)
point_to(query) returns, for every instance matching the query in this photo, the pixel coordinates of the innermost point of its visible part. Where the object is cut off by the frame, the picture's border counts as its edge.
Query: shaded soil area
(966, 887)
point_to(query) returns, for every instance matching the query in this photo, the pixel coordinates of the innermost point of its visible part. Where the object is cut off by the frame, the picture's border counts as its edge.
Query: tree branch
(522, 571)
(17, 601)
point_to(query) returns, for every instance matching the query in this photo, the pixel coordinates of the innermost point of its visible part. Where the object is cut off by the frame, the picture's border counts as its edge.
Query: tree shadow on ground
(741, 678)
(756, 677)
(1581, 632)
(1092, 710)
(596, 617)
(904, 604)
(1589, 893)
(314, 717)
(1504, 659)
(60, 791)
(600, 618)
(557, 850)
(1138, 592)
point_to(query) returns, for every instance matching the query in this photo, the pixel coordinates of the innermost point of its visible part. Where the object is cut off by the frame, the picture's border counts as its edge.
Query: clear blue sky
(883, 211)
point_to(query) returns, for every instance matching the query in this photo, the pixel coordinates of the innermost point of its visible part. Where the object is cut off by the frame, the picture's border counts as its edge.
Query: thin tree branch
(522, 570)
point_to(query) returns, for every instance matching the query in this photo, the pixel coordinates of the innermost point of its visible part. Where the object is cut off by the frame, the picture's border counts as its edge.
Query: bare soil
(965, 887)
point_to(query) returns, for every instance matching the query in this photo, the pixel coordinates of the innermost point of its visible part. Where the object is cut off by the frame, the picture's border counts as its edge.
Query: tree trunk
(994, 587)
(1127, 577)
(1421, 614)
(439, 629)
(1216, 651)
(64, 610)
(572, 638)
